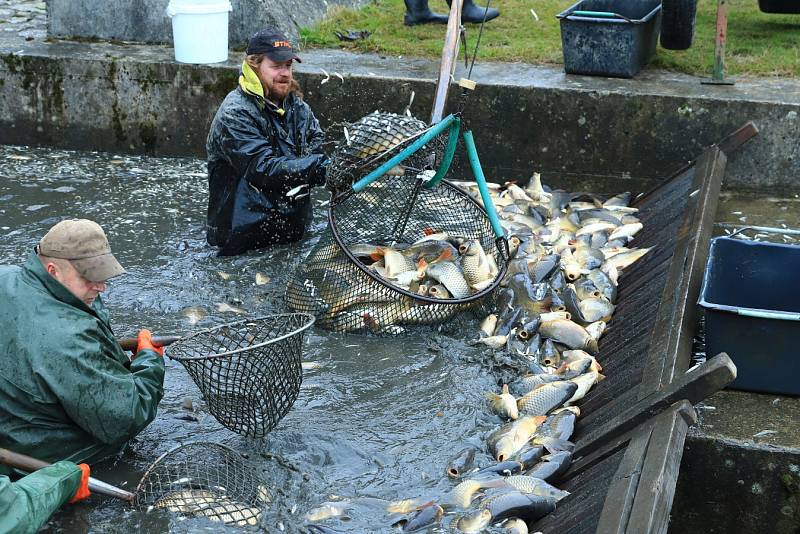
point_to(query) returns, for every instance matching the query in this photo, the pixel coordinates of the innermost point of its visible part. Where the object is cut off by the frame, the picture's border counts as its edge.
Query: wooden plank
(448, 63)
(695, 385)
(620, 496)
(653, 501)
(670, 349)
(738, 138)
(639, 498)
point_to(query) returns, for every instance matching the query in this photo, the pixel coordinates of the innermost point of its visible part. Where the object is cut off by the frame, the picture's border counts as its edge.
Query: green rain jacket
(28, 503)
(67, 389)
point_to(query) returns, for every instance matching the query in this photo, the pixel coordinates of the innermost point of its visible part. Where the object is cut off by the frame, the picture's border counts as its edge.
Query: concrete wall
(728, 486)
(146, 21)
(135, 98)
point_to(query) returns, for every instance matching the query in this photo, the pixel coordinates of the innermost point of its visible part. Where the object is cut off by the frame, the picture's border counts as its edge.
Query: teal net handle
(477, 172)
(447, 158)
(605, 14)
(404, 154)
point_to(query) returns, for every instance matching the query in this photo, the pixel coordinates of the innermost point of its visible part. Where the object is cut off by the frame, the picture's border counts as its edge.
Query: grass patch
(759, 44)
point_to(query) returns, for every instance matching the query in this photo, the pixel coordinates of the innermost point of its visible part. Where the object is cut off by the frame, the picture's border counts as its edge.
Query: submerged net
(249, 371)
(338, 281)
(204, 479)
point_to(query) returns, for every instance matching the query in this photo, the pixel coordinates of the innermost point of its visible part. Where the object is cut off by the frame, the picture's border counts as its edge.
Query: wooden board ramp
(629, 438)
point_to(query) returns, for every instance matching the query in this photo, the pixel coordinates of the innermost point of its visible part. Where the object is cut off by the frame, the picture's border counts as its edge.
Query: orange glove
(144, 340)
(83, 489)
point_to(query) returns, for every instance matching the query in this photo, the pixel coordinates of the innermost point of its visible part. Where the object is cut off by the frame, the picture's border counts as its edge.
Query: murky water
(375, 422)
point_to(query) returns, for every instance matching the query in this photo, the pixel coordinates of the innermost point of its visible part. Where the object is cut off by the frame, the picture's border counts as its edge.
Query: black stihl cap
(272, 44)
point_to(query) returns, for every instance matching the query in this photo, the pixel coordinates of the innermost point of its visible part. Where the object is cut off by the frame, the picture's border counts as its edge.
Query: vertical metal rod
(721, 37)
(477, 172)
(400, 225)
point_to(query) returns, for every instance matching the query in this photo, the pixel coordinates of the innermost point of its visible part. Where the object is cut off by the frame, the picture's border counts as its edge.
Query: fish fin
(428, 231)
(422, 265)
(445, 255)
(600, 377)
(492, 396)
(379, 253)
(505, 389)
(555, 445)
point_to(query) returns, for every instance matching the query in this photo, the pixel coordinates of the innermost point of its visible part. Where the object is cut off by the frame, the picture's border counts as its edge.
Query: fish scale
(546, 398)
(535, 486)
(450, 276)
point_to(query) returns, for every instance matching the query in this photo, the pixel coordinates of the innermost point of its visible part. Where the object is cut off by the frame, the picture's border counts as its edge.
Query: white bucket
(200, 30)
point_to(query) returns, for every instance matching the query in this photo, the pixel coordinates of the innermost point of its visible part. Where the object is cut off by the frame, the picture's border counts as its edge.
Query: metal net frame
(339, 289)
(204, 479)
(249, 371)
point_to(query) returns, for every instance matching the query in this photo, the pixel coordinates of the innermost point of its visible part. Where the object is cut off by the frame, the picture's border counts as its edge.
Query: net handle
(447, 159)
(477, 172)
(404, 154)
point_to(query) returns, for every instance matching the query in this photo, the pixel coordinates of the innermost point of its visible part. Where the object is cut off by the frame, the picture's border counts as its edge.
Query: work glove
(144, 340)
(83, 489)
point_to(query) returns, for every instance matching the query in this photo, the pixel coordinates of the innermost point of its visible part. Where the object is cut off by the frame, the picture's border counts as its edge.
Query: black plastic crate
(752, 308)
(779, 6)
(609, 37)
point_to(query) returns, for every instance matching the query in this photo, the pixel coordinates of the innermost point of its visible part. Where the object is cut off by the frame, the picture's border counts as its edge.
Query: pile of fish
(556, 298)
(437, 265)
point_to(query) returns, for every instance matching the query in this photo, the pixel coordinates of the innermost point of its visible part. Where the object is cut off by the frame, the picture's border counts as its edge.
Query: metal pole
(718, 76)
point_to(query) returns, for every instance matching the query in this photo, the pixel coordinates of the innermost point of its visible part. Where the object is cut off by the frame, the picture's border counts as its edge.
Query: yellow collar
(250, 84)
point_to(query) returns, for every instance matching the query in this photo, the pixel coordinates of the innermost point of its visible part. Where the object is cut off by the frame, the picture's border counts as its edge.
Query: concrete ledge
(735, 477)
(728, 486)
(574, 129)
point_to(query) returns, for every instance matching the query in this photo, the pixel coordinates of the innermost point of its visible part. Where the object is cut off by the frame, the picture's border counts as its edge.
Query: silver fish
(546, 398)
(448, 274)
(204, 503)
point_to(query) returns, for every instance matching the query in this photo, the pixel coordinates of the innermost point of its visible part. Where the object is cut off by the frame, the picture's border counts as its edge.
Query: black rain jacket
(256, 154)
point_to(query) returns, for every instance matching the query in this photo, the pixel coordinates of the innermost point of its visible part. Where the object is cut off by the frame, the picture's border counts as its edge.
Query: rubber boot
(418, 12)
(472, 13)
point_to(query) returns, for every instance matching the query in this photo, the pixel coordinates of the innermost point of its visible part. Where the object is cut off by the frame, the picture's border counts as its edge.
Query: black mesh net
(204, 479)
(249, 371)
(367, 143)
(351, 280)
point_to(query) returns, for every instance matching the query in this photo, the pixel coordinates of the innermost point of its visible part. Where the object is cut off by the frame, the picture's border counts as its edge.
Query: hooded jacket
(67, 389)
(257, 153)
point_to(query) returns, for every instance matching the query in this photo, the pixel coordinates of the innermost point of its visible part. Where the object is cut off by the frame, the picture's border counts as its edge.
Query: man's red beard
(279, 91)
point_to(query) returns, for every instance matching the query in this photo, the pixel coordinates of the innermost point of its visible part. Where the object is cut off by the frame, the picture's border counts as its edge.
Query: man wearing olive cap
(264, 153)
(67, 389)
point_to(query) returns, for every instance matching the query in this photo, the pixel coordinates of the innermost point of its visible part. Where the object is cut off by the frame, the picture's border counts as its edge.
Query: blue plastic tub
(751, 297)
(609, 37)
